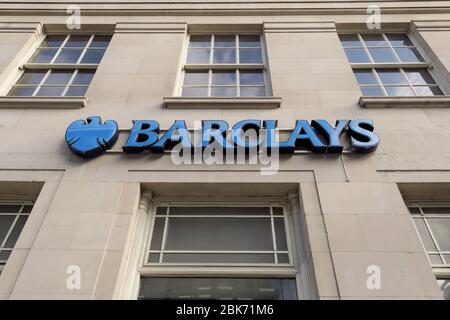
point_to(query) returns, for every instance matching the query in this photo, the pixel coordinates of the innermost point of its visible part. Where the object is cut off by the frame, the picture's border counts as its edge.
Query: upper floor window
(388, 64)
(221, 65)
(62, 65)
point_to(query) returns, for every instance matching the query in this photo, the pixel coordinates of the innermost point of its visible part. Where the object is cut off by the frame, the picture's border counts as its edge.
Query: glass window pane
(223, 77)
(382, 55)
(93, 56)
(277, 211)
(424, 234)
(375, 40)
(157, 236)
(68, 56)
(251, 77)
(438, 210)
(250, 56)
(200, 56)
(19, 91)
(100, 41)
(414, 210)
(350, 40)
(399, 91)
(50, 91)
(77, 41)
(32, 77)
(4, 255)
(218, 233)
(8, 208)
(5, 224)
(53, 41)
(435, 259)
(398, 39)
(223, 91)
(283, 258)
(224, 56)
(409, 54)
(161, 211)
(14, 235)
(78, 91)
(372, 91)
(357, 55)
(200, 41)
(441, 231)
(222, 41)
(253, 91)
(61, 77)
(280, 234)
(218, 258)
(419, 76)
(153, 257)
(249, 41)
(196, 77)
(218, 288)
(194, 92)
(365, 77)
(217, 211)
(83, 77)
(391, 76)
(27, 209)
(428, 91)
(444, 285)
(43, 56)
(447, 258)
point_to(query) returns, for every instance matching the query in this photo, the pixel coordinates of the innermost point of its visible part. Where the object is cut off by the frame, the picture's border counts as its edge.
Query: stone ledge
(222, 103)
(42, 102)
(405, 102)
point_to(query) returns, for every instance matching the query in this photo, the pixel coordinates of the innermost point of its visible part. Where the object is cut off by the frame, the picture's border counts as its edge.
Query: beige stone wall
(355, 214)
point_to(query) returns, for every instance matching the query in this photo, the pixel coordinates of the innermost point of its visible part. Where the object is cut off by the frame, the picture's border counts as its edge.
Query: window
(388, 64)
(62, 65)
(225, 66)
(433, 226)
(202, 238)
(13, 216)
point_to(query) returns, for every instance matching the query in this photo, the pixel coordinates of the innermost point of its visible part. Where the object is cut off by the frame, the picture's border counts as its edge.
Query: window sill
(222, 103)
(8, 102)
(405, 102)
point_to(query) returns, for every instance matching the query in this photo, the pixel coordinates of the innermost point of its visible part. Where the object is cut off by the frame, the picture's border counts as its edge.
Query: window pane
(251, 77)
(9, 208)
(76, 91)
(59, 77)
(419, 76)
(424, 235)
(441, 231)
(50, 91)
(5, 224)
(68, 56)
(444, 285)
(428, 91)
(221, 41)
(438, 210)
(19, 91)
(277, 211)
(398, 39)
(219, 234)
(224, 56)
(100, 41)
(53, 41)
(372, 91)
(224, 78)
(43, 55)
(280, 234)
(218, 258)
(391, 76)
(83, 77)
(4, 255)
(157, 235)
(77, 41)
(350, 40)
(217, 211)
(196, 78)
(223, 91)
(14, 235)
(399, 91)
(365, 77)
(250, 41)
(382, 55)
(32, 77)
(198, 56)
(253, 91)
(435, 259)
(195, 92)
(356, 55)
(200, 41)
(375, 40)
(250, 56)
(283, 258)
(27, 209)
(218, 288)
(93, 56)
(414, 210)
(409, 54)
(153, 257)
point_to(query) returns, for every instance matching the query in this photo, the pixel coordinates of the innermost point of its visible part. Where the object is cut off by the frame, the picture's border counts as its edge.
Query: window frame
(184, 66)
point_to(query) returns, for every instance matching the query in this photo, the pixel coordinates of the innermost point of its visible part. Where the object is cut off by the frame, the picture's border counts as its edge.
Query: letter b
(143, 134)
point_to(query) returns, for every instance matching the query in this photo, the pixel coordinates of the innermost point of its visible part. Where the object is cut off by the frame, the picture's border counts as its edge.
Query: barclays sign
(91, 137)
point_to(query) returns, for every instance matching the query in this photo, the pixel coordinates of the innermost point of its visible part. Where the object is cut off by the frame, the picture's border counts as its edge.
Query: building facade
(324, 223)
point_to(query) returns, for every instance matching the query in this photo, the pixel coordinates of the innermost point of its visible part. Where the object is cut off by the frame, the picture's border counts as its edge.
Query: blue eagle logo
(91, 137)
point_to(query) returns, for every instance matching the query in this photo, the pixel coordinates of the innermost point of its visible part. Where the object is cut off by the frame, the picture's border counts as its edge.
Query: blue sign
(92, 137)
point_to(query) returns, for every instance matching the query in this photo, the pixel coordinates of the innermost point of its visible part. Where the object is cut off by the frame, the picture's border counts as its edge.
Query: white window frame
(223, 67)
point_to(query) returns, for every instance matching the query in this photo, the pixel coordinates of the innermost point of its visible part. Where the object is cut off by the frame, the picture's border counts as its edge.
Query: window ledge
(222, 103)
(8, 102)
(405, 102)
